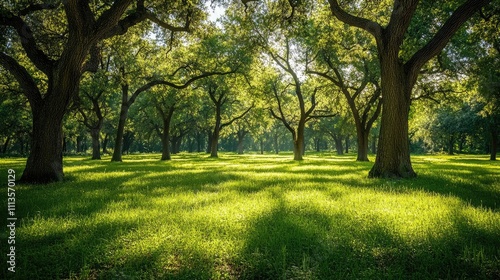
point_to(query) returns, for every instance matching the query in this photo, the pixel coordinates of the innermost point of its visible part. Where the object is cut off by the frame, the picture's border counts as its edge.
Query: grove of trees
(123, 76)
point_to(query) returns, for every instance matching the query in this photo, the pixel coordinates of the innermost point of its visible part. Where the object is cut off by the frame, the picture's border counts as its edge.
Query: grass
(258, 217)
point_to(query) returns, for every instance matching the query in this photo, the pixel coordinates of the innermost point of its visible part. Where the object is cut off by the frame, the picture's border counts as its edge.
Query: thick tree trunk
(298, 142)
(362, 144)
(96, 149)
(44, 163)
(165, 147)
(117, 152)
(393, 153)
(165, 141)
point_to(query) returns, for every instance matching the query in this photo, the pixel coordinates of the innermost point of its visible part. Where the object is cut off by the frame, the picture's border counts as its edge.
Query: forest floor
(256, 217)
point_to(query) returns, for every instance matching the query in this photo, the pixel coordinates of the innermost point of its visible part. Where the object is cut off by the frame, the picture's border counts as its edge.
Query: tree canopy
(164, 76)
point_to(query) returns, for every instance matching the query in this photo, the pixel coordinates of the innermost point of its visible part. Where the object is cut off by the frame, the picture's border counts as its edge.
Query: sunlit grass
(259, 217)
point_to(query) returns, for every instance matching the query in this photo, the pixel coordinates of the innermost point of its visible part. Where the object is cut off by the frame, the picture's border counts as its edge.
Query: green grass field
(257, 217)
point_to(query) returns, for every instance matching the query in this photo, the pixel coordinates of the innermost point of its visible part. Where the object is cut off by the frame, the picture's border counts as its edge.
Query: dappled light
(262, 216)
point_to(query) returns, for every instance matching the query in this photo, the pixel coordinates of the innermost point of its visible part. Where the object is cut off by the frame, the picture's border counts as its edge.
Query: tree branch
(237, 118)
(372, 27)
(23, 77)
(442, 37)
(321, 116)
(170, 84)
(37, 56)
(37, 7)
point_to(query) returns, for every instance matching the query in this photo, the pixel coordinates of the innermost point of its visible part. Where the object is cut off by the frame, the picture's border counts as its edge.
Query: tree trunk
(165, 141)
(117, 152)
(65, 145)
(216, 133)
(374, 144)
(44, 163)
(339, 146)
(362, 144)
(276, 144)
(105, 144)
(241, 136)
(494, 144)
(128, 139)
(451, 143)
(214, 142)
(347, 144)
(393, 153)
(199, 142)
(209, 142)
(190, 144)
(176, 143)
(261, 146)
(461, 143)
(165, 137)
(298, 142)
(79, 144)
(96, 149)
(240, 147)
(6, 145)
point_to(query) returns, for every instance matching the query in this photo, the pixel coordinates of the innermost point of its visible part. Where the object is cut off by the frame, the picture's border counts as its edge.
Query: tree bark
(451, 143)
(339, 146)
(79, 144)
(393, 155)
(241, 137)
(6, 145)
(362, 144)
(105, 144)
(96, 149)
(298, 142)
(398, 78)
(494, 144)
(128, 139)
(209, 142)
(214, 142)
(44, 163)
(118, 149)
(165, 137)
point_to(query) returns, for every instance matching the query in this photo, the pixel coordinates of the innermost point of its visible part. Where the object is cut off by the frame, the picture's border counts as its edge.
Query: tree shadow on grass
(290, 244)
(66, 252)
